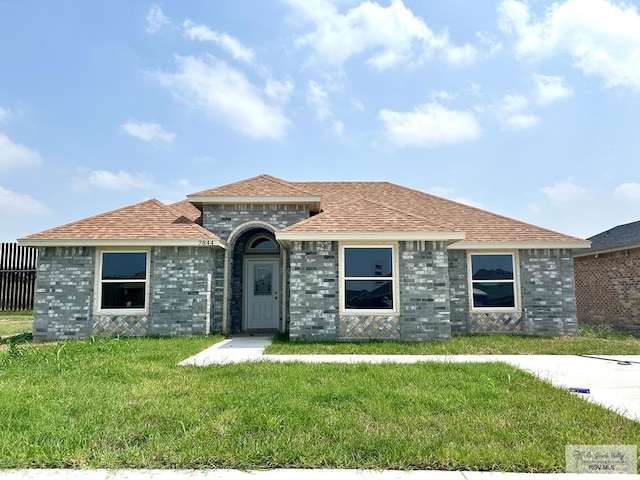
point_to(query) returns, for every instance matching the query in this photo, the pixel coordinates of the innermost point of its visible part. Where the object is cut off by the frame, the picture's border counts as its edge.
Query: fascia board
(518, 245)
(123, 243)
(206, 199)
(369, 236)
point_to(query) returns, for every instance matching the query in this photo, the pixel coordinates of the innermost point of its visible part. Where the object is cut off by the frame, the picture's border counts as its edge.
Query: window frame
(266, 251)
(394, 280)
(99, 281)
(515, 281)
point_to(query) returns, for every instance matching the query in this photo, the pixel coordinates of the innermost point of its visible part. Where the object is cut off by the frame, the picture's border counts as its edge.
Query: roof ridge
(398, 210)
(264, 177)
(359, 199)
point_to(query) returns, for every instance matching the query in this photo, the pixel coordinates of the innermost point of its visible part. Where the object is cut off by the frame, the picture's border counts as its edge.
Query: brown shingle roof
(347, 207)
(437, 214)
(188, 210)
(148, 220)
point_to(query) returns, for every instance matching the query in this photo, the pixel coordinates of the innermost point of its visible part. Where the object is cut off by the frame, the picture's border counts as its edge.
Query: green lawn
(12, 323)
(123, 403)
(590, 342)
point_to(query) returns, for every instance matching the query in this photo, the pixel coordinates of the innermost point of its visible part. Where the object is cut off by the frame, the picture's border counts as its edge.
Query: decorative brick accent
(496, 322)
(369, 327)
(608, 289)
(122, 325)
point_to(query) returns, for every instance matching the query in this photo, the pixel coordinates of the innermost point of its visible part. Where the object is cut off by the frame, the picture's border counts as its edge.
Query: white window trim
(515, 281)
(98, 282)
(394, 280)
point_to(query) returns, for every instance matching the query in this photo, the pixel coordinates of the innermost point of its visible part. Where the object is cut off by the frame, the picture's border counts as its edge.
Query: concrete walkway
(613, 381)
(290, 474)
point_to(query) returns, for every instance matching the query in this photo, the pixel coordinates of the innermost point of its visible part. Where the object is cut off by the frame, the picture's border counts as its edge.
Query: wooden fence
(17, 276)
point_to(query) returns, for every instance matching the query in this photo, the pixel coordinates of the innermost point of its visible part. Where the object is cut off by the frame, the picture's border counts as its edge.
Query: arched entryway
(255, 283)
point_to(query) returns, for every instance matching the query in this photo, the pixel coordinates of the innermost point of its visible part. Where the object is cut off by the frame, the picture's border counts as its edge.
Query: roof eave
(606, 250)
(370, 236)
(259, 199)
(203, 242)
(570, 245)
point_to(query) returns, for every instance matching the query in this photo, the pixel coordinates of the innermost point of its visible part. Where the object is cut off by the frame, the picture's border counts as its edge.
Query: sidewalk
(291, 474)
(613, 381)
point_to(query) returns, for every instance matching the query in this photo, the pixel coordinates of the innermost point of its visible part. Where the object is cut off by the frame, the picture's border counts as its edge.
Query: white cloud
(149, 132)
(387, 35)
(156, 20)
(279, 91)
(550, 89)
(117, 181)
(460, 56)
(602, 38)
(318, 98)
(512, 113)
(564, 192)
(338, 128)
(429, 125)
(227, 95)
(12, 203)
(628, 191)
(231, 45)
(13, 155)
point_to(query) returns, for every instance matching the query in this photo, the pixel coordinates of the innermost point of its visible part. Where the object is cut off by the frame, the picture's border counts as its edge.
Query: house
(608, 279)
(319, 260)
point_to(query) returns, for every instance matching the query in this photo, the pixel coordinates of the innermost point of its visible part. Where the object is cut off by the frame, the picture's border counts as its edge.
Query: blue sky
(527, 109)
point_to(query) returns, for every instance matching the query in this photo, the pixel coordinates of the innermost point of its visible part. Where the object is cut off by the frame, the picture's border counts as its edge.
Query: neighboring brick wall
(424, 291)
(458, 292)
(608, 289)
(179, 290)
(224, 219)
(548, 292)
(63, 293)
(313, 298)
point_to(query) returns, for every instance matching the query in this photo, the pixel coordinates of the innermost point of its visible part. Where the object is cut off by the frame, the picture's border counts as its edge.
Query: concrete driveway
(613, 381)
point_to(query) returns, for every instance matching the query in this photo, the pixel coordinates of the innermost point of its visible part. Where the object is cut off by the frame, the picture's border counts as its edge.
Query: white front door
(262, 289)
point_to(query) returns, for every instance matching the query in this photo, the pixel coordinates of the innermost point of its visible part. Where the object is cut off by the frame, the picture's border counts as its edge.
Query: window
(123, 280)
(262, 243)
(493, 280)
(368, 278)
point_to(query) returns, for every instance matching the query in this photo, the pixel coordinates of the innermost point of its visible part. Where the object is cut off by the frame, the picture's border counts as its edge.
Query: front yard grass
(13, 323)
(123, 403)
(589, 342)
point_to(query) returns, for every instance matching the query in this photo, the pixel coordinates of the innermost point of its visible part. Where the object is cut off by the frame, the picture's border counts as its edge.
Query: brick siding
(608, 289)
